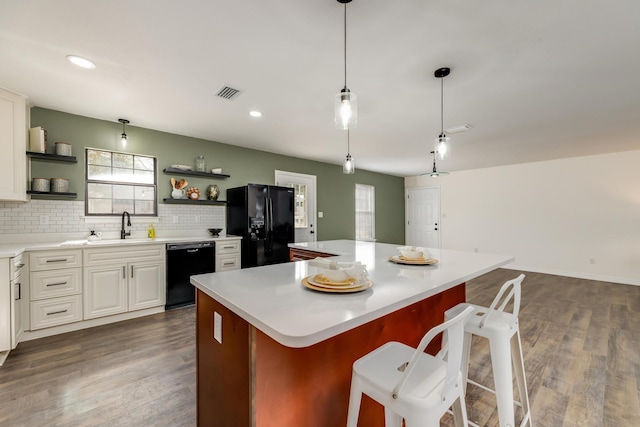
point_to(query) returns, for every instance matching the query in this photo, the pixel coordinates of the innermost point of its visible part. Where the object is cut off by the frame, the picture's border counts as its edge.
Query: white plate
(183, 167)
(315, 281)
(401, 260)
(341, 289)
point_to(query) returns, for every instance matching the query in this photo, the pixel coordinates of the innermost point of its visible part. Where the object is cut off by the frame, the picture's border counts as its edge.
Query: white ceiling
(536, 80)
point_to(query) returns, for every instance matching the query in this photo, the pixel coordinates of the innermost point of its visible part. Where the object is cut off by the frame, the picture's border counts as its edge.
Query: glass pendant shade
(346, 109)
(441, 146)
(123, 137)
(348, 167)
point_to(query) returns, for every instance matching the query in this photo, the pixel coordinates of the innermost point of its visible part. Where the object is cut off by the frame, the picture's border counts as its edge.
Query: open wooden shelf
(52, 157)
(195, 202)
(51, 193)
(195, 173)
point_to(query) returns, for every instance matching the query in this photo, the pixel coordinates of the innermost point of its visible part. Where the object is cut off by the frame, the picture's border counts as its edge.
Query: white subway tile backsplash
(68, 217)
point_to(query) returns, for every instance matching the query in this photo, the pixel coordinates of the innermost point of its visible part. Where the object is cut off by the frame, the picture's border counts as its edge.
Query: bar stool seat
(411, 384)
(502, 330)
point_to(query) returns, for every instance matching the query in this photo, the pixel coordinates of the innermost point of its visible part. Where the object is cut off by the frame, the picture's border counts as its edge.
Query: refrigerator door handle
(267, 226)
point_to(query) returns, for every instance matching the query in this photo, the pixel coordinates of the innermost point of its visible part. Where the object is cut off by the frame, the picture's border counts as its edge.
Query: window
(300, 197)
(118, 182)
(365, 212)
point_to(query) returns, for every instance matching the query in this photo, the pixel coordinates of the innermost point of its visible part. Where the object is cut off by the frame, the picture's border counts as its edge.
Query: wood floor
(581, 341)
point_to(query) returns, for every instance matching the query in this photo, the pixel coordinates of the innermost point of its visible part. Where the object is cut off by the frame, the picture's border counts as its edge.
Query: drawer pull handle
(57, 260)
(57, 284)
(56, 312)
(228, 247)
(19, 266)
(229, 263)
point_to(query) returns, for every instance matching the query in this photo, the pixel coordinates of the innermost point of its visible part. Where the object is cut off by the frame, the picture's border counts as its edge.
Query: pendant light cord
(348, 143)
(441, 105)
(345, 45)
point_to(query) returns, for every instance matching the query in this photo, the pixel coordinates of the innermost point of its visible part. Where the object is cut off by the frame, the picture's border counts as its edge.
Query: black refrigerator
(263, 216)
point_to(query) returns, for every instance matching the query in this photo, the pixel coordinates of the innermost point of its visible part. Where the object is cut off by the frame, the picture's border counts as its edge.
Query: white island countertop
(272, 298)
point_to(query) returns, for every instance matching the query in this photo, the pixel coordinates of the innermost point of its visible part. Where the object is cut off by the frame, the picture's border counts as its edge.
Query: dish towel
(357, 270)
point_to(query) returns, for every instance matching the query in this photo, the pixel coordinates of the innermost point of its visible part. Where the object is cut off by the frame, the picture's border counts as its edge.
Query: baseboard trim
(70, 327)
(596, 277)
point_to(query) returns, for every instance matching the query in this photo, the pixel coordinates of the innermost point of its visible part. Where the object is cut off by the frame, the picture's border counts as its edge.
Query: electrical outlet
(196, 219)
(217, 327)
(320, 214)
(175, 219)
(44, 219)
(592, 260)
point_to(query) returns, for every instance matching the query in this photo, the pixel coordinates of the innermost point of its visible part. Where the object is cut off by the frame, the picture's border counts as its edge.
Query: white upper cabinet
(13, 147)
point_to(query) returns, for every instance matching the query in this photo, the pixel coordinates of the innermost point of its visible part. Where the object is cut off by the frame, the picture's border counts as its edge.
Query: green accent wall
(335, 191)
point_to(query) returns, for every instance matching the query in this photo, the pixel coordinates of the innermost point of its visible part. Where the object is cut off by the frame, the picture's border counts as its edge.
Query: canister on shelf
(59, 185)
(63, 149)
(41, 184)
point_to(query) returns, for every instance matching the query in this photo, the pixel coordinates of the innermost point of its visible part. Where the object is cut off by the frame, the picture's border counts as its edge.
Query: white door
(305, 203)
(423, 217)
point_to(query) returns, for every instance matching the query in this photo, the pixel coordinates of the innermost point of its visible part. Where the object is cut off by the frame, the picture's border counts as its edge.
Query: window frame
(88, 181)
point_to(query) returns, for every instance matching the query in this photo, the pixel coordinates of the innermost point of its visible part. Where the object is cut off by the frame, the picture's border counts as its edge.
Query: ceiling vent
(458, 129)
(227, 92)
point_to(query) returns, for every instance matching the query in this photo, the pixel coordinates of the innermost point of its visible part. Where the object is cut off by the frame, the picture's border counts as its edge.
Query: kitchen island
(271, 352)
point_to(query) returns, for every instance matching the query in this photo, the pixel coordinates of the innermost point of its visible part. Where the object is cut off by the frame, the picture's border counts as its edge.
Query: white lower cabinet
(55, 288)
(121, 280)
(147, 285)
(228, 255)
(105, 290)
(56, 311)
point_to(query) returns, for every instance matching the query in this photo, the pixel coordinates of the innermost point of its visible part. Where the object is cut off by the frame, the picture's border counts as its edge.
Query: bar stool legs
(502, 330)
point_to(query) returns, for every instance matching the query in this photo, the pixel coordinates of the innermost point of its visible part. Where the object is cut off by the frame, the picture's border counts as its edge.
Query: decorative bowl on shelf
(215, 232)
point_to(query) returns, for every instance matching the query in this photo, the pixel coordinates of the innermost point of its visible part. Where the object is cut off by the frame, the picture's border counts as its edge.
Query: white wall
(577, 217)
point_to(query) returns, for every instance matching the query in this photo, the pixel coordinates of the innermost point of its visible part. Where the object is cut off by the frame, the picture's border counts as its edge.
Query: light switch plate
(217, 327)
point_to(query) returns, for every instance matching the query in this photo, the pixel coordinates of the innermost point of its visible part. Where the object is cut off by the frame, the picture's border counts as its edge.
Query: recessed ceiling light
(81, 62)
(255, 113)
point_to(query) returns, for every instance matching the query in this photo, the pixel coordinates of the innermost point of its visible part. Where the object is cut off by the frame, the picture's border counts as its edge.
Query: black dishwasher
(183, 261)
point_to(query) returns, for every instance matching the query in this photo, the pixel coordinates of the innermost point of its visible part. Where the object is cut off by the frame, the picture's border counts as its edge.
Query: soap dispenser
(151, 232)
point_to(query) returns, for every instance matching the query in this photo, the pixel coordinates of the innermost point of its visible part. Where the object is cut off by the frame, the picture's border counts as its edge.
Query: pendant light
(348, 166)
(346, 102)
(441, 147)
(435, 173)
(123, 139)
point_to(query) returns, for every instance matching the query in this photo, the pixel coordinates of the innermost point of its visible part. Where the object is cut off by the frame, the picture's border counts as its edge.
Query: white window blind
(365, 212)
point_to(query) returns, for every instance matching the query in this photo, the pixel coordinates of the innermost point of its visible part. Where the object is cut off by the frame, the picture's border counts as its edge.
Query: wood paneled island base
(252, 380)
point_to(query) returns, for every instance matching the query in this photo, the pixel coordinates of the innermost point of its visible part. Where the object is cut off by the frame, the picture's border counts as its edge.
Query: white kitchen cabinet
(19, 298)
(105, 290)
(56, 311)
(5, 308)
(13, 146)
(119, 280)
(146, 285)
(55, 288)
(228, 255)
(55, 259)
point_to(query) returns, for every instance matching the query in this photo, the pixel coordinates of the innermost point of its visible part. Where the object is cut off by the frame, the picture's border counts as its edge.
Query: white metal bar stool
(501, 329)
(411, 384)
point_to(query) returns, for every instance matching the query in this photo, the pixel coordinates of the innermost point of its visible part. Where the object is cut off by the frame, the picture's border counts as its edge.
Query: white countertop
(272, 298)
(8, 250)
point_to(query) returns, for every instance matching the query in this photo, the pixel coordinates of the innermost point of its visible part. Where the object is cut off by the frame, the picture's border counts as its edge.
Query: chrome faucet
(124, 233)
